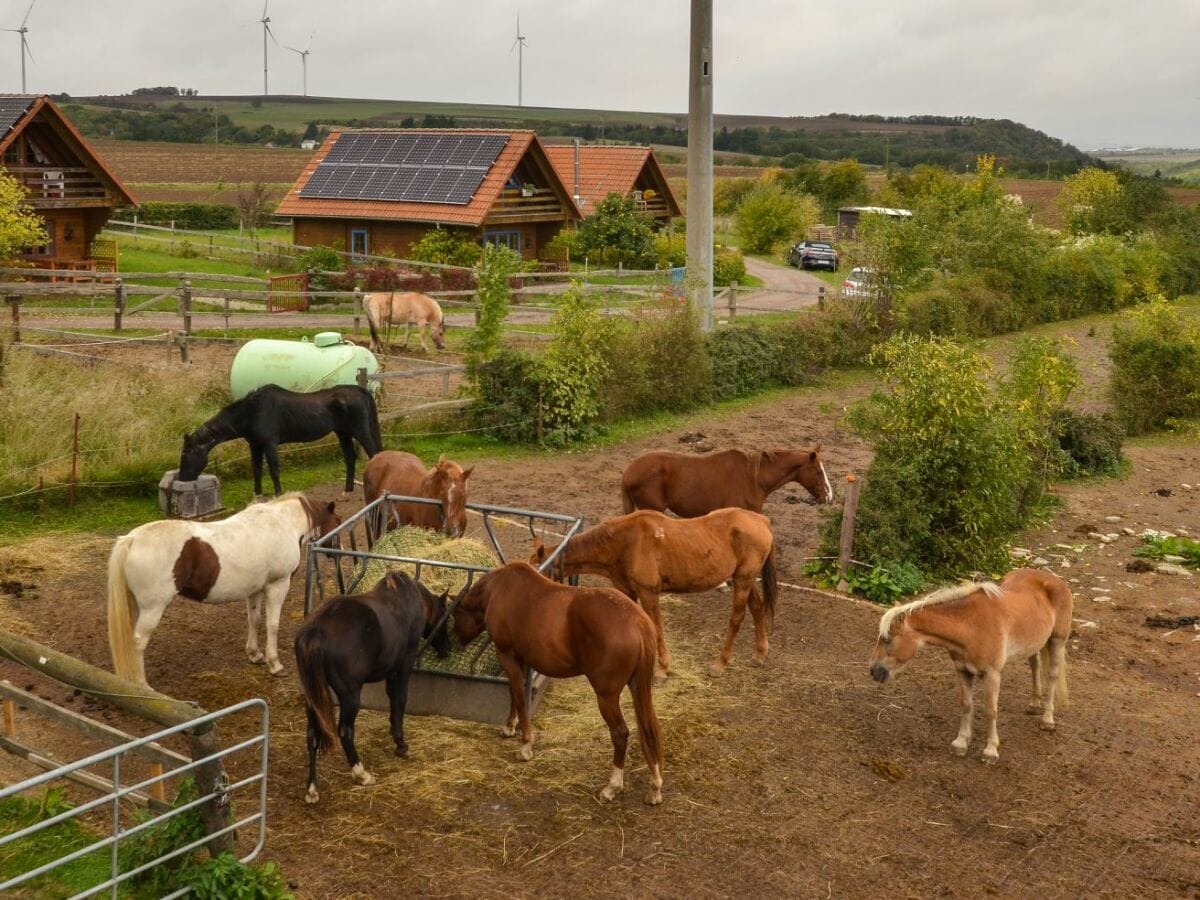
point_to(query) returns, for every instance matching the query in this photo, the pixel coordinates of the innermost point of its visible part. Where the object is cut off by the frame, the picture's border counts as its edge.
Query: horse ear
(539, 550)
(441, 459)
(467, 472)
(331, 508)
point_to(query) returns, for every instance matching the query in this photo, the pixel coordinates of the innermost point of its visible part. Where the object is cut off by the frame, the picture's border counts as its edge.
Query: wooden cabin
(593, 171)
(379, 191)
(68, 184)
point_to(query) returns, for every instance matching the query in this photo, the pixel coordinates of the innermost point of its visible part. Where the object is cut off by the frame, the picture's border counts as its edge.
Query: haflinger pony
(562, 632)
(647, 553)
(395, 472)
(691, 486)
(250, 556)
(388, 310)
(351, 640)
(269, 416)
(983, 626)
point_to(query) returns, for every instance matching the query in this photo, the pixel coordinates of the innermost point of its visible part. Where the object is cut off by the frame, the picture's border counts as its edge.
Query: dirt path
(800, 779)
(784, 288)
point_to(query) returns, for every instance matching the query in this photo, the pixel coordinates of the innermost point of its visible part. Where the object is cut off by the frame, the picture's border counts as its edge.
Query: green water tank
(300, 365)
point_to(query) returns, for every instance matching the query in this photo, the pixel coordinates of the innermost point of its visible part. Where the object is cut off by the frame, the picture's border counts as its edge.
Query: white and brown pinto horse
(386, 311)
(983, 626)
(397, 472)
(250, 556)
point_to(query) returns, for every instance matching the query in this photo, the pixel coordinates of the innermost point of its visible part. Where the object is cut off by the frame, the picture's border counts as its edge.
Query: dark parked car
(813, 255)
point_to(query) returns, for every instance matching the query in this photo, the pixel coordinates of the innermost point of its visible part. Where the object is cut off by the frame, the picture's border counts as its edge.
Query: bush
(617, 232)
(494, 297)
(1090, 444)
(563, 247)
(573, 368)
(729, 266)
(320, 259)
(769, 215)
(446, 246)
(1155, 378)
(744, 361)
(508, 388)
(670, 250)
(195, 216)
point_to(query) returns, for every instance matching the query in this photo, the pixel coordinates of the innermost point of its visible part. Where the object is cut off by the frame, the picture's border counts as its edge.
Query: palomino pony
(647, 553)
(691, 486)
(983, 626)
(396, 472)
(386, 311)
(270, 416)
(349, 641)
(251, 555)
(562, 632)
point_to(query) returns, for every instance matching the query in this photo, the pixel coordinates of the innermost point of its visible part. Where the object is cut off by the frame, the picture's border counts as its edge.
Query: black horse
(350, 641)
(269, 416)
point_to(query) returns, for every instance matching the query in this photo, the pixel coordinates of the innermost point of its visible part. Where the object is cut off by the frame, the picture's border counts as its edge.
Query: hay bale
(421, 543)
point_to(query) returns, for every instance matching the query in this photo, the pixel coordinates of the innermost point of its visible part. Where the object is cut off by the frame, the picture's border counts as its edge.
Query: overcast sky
(1094, 72)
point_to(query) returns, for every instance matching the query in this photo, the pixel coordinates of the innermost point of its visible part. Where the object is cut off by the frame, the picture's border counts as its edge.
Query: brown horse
(562, 632)
(396, 472)
(647, 553)
(691, 486)
(982, 626)
(387, 311)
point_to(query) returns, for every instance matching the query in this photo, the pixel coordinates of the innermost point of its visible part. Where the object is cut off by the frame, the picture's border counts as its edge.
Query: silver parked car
(860, 283)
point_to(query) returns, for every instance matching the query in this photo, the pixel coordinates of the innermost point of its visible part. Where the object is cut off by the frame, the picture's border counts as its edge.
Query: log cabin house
(69, 186)
(594, 171)
(378, 191)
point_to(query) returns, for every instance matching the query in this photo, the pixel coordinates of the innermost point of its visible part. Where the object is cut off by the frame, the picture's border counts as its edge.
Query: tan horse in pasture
(396, 472)
(691, 486)
(983, 626)
(386, 311)
(562, 632)
(646, 553)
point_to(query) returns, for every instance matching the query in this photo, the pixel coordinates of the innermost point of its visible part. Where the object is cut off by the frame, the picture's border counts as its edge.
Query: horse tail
(641, 685)
(1061, 697)
(367, 305)
(627, 504)
(770, 583)
(373, 426)
(310, 664)
(120, 611)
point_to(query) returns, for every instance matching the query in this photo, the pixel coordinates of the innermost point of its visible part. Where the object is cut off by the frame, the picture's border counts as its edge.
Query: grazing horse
(251, 555)
(270, 416)
(647, 553)
(691, 486)
(385, 311)
(983, 626)
(349, 641)
(562, 632)
(396, 472)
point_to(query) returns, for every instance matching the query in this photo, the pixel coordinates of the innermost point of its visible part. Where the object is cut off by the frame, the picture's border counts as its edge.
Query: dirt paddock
(803, 778)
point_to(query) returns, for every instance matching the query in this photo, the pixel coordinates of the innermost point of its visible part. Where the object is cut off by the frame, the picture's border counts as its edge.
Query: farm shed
(69, 185)
(379, 191)
(848, 216)
(592, 172)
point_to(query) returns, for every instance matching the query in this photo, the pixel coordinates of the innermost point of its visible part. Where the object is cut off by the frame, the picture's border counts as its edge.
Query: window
(360, 244)
(509, 239)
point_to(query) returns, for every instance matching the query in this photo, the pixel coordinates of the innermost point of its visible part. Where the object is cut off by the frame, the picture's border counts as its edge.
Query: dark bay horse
(982, 626)
(691, 486)
(562, 632)
(270, 416)
(349, 641)
(396, 472)
(646, 553)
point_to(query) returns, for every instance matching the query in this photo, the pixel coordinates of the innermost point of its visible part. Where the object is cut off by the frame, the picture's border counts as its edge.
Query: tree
(1093, 202)
(770, 215)
(844, 183)
(254, 205)
(20, 226)
(618, 232)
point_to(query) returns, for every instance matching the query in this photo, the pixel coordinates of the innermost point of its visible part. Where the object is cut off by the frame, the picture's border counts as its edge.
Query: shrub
(508, 388)
(729, 266)
(1155, 378)
(563, 247)
(1090, 444)
(572, 369)
(728, 193)
(196, 216)
(618, 232)
(744, 360)
(769, 215)
(320, 259)
(446, 246)
(494, 296)
(670, 250)
(380, 278)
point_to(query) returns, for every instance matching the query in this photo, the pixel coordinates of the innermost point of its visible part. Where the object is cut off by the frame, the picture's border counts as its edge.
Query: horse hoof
(508, 731)
(343, 496)
(757, 662)
(276, 670)
(312, 796)
(654, 797)
(362, 776)
(1034, 709)
(660, 678)
(716, 670)
(990, 759)
(525, 754)
(402, 751)
(255, 657)
(959, 749)
(609, 793)
(1048, 726)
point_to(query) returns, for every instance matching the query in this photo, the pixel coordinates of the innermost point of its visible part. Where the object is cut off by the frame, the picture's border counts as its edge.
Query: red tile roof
(471, 214)
(605, 169)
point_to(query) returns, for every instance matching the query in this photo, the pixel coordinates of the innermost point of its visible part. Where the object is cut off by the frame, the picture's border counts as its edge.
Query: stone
(1095, 536)
(1112, 518)
(1107, 538)
(1186, 487)
(189, 499)
(1020, 553)
(1039, 561)
(1102, 599)
(1167, 568)
(1172, 558)
(1128, 532)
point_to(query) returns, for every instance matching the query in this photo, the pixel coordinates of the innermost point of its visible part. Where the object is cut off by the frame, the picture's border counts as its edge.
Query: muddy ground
(803, 778)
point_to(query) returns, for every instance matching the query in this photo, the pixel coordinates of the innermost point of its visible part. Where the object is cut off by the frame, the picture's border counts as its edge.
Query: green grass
(40, 848)
(138, 256)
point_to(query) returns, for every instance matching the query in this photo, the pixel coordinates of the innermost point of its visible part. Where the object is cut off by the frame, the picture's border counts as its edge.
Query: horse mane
(936, 598)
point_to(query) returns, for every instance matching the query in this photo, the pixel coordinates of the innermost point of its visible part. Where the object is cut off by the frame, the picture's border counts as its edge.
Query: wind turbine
(25, 51)
(265, 21)
(519, 46)
(303, 54)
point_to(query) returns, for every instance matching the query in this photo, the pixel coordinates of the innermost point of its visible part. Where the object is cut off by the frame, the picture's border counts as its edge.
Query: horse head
(810, 474)
(469, 610)
(894, 649)
(194, 456)
(437, 623)
(540, 553)
(322, 517)
(437, 331)
(449, 483)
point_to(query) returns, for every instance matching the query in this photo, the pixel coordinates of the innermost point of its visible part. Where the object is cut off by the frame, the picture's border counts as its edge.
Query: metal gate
(254, 785)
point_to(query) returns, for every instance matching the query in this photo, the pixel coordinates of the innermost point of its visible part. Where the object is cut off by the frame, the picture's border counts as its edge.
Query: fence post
(362, 378)
(849, 512)
(226, 315)
(14, 304)
(74, 461)
(733, 286)
(118, 304)
(821, 297)
(357, 301)
(185, 305)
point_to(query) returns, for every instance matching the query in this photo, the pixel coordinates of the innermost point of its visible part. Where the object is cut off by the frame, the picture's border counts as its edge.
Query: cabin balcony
(526, 205)
(60, 186)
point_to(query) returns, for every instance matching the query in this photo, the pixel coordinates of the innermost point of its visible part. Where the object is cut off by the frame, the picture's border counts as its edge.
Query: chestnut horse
(396, 472)
(388, 310)
(982, 626)
(647, 553)
(691, 486)
(349, 641)
(562, 632)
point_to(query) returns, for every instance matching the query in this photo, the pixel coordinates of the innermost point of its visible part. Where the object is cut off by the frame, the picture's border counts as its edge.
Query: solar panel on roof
(12, 108)
(414, 167)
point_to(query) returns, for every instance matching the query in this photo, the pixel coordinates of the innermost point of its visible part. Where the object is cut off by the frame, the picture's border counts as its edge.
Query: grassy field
(1182, 164)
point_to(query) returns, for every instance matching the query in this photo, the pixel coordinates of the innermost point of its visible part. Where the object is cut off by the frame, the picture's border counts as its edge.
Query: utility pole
(699, 165)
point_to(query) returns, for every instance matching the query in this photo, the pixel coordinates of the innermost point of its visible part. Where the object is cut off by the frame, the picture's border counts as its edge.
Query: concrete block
(189, 499)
